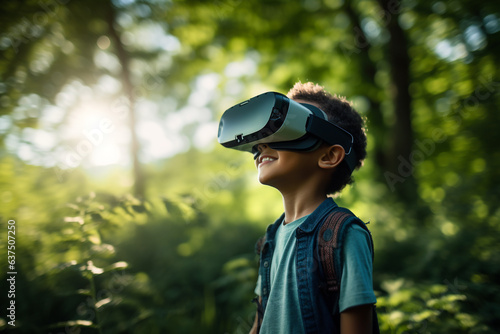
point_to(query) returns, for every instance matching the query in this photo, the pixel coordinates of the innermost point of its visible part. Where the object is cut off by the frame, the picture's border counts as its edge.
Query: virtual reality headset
(282, 124)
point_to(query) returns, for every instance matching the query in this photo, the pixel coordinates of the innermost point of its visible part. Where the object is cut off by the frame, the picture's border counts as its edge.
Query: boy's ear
(332, 157)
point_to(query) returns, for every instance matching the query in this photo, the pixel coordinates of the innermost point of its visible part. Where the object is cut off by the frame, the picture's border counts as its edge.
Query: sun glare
(106, 155)
(97, 133)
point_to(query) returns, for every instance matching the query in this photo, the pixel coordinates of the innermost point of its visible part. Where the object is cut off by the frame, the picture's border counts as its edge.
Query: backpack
(327, 246)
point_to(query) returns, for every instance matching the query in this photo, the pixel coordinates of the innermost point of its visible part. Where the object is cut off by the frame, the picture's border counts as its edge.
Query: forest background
(130, 218)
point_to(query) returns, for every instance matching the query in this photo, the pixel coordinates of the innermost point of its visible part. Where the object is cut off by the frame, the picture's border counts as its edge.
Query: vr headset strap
(333, 135)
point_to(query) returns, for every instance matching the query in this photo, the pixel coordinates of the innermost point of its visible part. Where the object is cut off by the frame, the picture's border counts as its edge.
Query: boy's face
(288, 170)
(285, 169)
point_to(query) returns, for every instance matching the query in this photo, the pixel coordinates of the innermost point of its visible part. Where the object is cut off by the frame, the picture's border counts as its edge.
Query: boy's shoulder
(333, 229)
(328, 222)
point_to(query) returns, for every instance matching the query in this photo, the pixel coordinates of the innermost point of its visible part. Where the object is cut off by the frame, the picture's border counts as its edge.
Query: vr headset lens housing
(283, 124)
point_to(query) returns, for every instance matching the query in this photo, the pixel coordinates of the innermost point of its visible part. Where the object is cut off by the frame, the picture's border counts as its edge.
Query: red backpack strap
(259, 245)
(327, 246)
(328, 239)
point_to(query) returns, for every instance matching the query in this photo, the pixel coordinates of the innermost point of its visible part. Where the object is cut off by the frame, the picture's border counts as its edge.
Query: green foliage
(410, 307)
(135, 267)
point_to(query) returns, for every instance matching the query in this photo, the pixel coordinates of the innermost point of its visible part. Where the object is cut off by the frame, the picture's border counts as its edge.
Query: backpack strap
(259, 245)
(328, 246)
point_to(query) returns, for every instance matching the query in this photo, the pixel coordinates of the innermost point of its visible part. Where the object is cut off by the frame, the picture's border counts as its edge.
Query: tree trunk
(368, 70)
(399, 161)
(121, 53)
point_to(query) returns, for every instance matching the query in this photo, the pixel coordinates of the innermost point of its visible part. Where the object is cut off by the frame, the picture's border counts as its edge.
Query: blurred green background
(131, 219)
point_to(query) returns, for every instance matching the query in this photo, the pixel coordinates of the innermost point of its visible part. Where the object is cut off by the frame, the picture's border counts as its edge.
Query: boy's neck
(301, 203)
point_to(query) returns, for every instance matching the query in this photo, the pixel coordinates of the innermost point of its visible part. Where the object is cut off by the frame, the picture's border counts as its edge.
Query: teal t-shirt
(283, 313)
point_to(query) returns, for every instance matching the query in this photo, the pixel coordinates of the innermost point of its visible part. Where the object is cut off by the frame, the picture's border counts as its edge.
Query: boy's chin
(267, 182)
(263, 179)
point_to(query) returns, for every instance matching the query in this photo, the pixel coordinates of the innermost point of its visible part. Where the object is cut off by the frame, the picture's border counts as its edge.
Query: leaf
(126, 208)
(74, 323)
(73, 206)
(96, 217)
(84, 292)
(76, 219)
(94, 237)
(172, 208)
(139, 208)
(117, 266)
(93, 269)
(102, 302)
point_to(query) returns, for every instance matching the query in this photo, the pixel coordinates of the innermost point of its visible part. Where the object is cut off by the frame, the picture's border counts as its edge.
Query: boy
(290, 298)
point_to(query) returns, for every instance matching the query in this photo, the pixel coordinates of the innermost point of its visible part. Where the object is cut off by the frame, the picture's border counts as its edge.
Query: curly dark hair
(340, 112)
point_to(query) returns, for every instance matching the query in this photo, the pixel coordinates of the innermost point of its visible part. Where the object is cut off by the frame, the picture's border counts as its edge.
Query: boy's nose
(257, 150)
(261, 147)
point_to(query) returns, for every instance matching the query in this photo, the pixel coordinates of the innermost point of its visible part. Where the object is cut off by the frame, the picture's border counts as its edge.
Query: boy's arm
(357, 298)
(357, 320)
(255, 325)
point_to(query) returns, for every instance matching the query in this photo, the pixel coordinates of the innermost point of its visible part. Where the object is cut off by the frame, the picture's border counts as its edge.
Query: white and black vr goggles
(282, 124)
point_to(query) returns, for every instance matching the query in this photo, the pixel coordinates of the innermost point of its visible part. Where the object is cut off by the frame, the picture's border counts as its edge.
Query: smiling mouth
(265, 160)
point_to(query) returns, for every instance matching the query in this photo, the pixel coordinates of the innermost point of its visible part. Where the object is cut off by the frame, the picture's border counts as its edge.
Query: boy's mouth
(265, 159)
